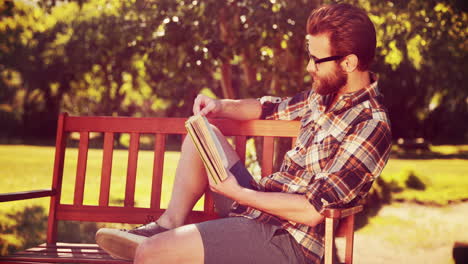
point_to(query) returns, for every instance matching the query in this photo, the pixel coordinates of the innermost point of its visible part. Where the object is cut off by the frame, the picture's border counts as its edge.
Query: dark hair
(349, 28)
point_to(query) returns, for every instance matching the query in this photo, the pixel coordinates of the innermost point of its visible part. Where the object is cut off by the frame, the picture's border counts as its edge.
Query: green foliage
(151, 58)
(24, 228)
(423, 46)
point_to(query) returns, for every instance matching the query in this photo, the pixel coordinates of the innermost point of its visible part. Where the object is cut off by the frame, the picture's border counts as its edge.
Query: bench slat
(5, 197)
(208, 205)
(62, 250)
(22, 262)
(59, 160)
(176, 126)
(240, 142)
(267, 156)
(61, 258)
(63, 253)
(81, 168)
(132, 169)
(106, 169)
(158, 169)
(114, 214)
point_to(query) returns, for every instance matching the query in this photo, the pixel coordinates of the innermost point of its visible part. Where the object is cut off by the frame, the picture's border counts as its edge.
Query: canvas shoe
(121, 243)
(148, 230)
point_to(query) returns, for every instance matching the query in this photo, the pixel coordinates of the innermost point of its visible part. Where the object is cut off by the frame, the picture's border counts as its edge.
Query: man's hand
(206, 106)
(229, 187)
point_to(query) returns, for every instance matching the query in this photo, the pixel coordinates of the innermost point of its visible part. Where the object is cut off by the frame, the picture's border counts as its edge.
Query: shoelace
(149, 219)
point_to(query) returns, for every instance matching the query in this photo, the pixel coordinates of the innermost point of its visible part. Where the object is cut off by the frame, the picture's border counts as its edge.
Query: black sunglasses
(331, 58)
(317, 61)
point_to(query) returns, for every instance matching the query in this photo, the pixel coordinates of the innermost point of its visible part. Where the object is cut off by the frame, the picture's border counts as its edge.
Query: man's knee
(146, 249)
(181, 245)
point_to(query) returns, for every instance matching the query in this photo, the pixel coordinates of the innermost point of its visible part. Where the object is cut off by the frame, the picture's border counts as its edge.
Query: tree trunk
(226, 80)
(249, 71)
(226, 67)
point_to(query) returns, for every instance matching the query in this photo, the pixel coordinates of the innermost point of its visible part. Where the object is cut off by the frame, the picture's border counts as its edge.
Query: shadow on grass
(27, 228)
(380, 194)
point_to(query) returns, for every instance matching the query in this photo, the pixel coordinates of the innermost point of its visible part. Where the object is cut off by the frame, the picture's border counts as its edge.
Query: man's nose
(311, 67)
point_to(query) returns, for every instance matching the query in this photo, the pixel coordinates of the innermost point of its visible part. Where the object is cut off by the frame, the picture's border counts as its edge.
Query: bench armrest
(6, 197)
(342, 213)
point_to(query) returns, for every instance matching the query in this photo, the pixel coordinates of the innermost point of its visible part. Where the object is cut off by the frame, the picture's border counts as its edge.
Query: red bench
(53, 251)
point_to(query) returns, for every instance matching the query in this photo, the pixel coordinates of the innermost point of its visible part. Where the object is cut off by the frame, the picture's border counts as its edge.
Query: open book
(208, 146)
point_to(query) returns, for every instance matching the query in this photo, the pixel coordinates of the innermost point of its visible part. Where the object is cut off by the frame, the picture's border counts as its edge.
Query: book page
(209, 147)
(203, 153)
(209, 139)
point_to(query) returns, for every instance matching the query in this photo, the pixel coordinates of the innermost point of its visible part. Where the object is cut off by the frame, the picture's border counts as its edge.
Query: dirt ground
(411, 233)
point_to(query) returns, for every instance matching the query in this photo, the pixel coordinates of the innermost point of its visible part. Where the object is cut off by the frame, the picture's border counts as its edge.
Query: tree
(422, 51)
(151, 58)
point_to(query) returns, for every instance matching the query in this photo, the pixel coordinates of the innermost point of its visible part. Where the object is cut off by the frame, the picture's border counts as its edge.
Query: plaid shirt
(338, 154)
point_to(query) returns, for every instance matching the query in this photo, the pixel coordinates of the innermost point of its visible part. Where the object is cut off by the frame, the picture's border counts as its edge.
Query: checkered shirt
(337, 155)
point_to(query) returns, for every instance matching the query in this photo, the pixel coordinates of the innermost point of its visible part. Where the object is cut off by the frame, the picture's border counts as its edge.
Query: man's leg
(180, 245)
(190, 181)
(229, 240)
(189, 185)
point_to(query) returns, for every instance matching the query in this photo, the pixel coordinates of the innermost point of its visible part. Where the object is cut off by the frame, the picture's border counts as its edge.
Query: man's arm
(358, 161)
(292, 207)
(244, 109)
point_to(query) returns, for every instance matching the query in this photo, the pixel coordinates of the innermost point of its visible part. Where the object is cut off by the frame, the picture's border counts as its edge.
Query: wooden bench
(53, 251)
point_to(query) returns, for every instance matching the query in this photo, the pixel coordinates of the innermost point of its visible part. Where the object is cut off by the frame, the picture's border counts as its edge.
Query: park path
(421, 234)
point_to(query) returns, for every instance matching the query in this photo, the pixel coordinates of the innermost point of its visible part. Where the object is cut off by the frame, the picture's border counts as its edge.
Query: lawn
(30, 167)
(443, 180)
(23, 168)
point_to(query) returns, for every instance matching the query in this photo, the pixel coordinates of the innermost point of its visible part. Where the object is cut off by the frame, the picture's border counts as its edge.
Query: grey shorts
(242, 240)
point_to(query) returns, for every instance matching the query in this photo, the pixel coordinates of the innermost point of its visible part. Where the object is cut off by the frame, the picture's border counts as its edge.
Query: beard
(331, 83)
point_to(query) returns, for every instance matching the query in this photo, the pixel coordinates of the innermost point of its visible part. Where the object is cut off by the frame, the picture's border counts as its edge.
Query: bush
(413, 182)
(11, 127)
(27, 228)
(23, 229)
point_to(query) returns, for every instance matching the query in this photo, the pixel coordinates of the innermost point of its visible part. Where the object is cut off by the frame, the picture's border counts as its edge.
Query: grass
(449, 149)
(30, 168)
(412, 233)
(444, 180)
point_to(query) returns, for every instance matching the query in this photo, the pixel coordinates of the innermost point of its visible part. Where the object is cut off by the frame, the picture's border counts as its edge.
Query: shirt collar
(348, 100)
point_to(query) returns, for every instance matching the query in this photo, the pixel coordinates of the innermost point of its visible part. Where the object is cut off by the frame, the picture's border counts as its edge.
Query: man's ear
(350, 63)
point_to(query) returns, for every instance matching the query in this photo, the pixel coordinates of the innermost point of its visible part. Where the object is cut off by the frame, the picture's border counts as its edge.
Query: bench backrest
(160, 128)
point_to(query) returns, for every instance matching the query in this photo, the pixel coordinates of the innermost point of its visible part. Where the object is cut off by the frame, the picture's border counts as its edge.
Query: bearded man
(342, 146)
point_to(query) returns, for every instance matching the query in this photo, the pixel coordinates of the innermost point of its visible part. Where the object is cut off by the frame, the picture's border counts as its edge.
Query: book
(208, 146)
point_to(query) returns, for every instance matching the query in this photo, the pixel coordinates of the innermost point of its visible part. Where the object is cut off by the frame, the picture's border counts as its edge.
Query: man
(343, 145)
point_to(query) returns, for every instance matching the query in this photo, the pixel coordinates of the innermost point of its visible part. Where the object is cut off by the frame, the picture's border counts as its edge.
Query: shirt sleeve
(351, 170)
(287, 108)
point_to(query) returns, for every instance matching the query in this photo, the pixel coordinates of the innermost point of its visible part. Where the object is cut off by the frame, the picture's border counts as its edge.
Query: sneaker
(118, 243)
(122, 244)
(148, 230)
